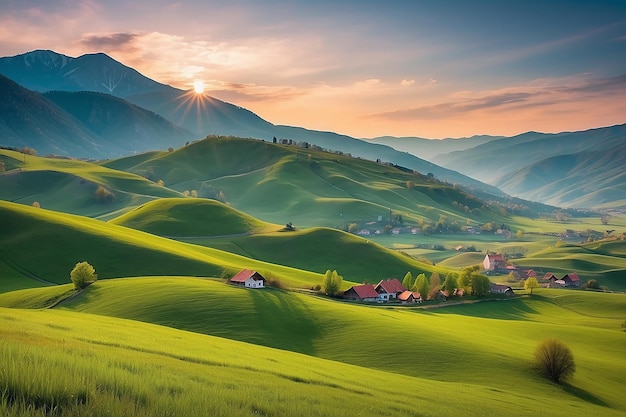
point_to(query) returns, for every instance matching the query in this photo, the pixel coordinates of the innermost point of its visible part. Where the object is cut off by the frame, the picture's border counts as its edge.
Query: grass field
(70, 185)
(184, 217)
(359, 357)
(61, 240)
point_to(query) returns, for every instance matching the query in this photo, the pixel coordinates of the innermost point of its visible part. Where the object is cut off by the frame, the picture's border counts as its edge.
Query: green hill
(319, 249)
(45, 245)
(482, 348)
(281, 183)
(178, 217)
(602, 261)
(70, 185)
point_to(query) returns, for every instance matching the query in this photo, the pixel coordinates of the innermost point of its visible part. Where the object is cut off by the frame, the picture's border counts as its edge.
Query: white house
(248, 279)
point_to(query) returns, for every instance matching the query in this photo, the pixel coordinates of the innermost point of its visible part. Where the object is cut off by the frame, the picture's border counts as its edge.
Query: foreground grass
(487, 345)
(78, 364)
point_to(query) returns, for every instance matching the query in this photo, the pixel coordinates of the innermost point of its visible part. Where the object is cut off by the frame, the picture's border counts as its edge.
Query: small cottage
(249, 279)
(500, 289)
(365, 292)
(389, 289)
(408, 297)
(493, 262)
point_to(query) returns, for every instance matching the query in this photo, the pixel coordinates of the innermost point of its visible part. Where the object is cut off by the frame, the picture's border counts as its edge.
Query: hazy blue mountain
(430, 148)
(81, 124)
(203, 114)
(583, 179)
(27, 119)
(122, 125)
(200, 114)
(571, 169)
(491, 161)
(50, 71)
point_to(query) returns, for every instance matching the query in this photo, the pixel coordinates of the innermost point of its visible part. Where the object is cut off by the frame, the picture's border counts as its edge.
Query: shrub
(555, 359)
(103, 195)
(36, 204)
(82, 275)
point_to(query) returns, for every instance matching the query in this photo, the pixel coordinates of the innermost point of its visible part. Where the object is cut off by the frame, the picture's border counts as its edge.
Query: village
(393, 291)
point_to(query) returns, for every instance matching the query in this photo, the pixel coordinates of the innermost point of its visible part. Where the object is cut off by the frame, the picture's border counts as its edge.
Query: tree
(331, 282)
(353, 228)
(605, 219)
(434, 285)
(82, 275)
(36, 204)
(161, 183)
(519, 234)
(480, 285)
(170, 149)
(103, 195)
(408, 282)
(450, 284)
(410, 185)
(530, 284)
(421, 285)
(465, 277)
(555, 359)
(3, 167)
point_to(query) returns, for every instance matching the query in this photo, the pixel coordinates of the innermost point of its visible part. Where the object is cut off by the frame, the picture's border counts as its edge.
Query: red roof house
(365, 292)
(407, 297)
(389, 288)
(493, 262)
(571, 280)
(249, 279)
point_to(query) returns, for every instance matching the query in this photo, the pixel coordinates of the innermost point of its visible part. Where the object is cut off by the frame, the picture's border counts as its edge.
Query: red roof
(244, 274)
(572, 277)
(495, 257)
(406, 295)
(364, 291)
(549, 275)
(391, 286)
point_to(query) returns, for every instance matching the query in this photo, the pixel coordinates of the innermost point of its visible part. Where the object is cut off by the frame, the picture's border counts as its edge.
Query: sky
(365, 68)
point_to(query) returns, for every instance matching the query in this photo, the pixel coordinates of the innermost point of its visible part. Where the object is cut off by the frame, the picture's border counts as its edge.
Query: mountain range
(95, 107)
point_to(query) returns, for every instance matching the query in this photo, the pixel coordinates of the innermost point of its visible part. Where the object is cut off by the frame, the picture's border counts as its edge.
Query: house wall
(252, 283)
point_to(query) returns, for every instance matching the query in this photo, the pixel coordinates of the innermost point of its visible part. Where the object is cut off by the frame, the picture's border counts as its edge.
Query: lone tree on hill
(530, 284)
(555, 359)
(82, 275)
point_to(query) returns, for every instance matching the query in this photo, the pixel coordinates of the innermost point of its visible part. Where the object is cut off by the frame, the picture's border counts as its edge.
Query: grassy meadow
(215, 336)
(161, 333)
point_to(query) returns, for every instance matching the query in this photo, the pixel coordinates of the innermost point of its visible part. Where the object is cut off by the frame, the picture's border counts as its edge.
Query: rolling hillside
(61, 240)
(195, 217)
(282, 183)
(71, 185)
(482, 348)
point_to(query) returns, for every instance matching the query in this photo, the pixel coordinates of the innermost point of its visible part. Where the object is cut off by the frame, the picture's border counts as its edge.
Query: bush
(555, 359)
(82, 275)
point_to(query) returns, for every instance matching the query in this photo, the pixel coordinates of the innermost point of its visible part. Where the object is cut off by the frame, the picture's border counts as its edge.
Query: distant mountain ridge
(478, 163)
(81, 124)
(44, 70)
(570, 169)
(202, 115)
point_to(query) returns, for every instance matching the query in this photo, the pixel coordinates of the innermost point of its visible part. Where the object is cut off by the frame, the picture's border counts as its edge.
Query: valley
(169, 195)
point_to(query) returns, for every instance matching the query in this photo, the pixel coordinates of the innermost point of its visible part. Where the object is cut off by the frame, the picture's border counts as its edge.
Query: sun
(198, 86)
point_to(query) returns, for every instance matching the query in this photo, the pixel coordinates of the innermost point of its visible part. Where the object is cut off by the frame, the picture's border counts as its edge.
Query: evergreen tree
(408, 281)
(421, 286)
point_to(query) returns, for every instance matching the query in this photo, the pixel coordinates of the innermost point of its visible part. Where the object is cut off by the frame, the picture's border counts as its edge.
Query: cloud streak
(516, 98)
